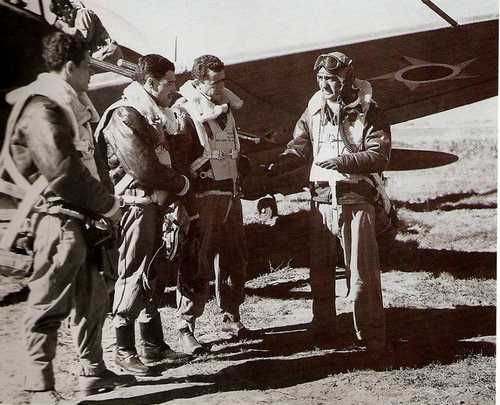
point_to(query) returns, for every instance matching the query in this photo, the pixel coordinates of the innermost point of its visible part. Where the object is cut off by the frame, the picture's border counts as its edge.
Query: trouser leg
(59, 254)
(362, 259)
(89, 311)
(323, 260)
(231, 263)
(197, 265)
(140, 237)
(193, 288)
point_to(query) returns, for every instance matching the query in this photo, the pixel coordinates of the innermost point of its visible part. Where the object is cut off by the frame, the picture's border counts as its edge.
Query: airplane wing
(413, 75)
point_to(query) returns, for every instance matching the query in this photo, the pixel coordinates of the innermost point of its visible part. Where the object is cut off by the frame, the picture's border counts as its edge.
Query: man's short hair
(59, 48)
(203, 64)
(60, 7)
(154, 66)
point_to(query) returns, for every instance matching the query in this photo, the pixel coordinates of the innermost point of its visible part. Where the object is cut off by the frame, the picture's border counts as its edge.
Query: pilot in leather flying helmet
(335, 76)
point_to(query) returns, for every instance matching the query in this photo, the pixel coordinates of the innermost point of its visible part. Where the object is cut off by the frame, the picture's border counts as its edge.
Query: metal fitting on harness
(206, 175)
(220, 154)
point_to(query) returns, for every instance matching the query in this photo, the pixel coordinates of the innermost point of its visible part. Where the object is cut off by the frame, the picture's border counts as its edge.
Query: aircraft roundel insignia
(423, 72)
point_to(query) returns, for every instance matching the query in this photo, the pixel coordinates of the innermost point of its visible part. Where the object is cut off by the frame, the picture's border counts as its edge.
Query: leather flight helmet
(335, 63)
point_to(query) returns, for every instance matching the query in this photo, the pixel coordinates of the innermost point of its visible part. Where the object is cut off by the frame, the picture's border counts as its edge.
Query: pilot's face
(213, 85)
(329, 84)
(163, 89)
(80, 75)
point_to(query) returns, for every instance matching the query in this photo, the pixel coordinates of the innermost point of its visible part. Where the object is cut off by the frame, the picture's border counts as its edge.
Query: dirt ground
(439, 288)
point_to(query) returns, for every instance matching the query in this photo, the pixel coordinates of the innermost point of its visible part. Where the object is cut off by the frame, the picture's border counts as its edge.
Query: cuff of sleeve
(114, 209)
(185, 188)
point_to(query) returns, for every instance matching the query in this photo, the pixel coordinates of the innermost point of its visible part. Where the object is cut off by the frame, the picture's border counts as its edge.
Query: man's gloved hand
(330, 164)
(283, 164)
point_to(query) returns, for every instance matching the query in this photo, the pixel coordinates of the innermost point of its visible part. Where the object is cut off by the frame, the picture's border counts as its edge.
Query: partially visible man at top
(343, 133)
(135, 131)
(51, 140)
(217, 239)
(73, 18)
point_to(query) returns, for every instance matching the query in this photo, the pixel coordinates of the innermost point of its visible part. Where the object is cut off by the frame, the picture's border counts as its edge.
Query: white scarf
(162, 119)
(206, 108)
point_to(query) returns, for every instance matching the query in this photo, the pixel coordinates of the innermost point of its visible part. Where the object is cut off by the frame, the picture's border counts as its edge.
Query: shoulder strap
(21, 188)
(122, 185)
(31, 197)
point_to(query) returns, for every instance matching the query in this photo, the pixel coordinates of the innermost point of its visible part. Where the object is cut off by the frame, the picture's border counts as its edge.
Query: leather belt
(214, 185)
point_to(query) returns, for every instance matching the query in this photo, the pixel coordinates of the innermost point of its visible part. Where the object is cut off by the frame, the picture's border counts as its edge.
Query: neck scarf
(159, 117)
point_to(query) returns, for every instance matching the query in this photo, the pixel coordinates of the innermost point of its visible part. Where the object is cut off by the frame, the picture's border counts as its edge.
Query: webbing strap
(122, 185)
(12, 189)
(32, 195)
(21, 189)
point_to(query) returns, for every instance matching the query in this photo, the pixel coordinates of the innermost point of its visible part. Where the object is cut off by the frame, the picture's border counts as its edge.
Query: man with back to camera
(345, 136)
(135, 130)
(51, 140)
(217, 239)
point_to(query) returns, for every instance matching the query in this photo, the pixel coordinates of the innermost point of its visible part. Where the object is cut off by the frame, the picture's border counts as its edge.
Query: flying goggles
(333, 62)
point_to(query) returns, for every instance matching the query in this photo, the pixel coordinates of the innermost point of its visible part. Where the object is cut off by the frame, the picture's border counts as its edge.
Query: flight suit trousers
(216, 243)
(354, 224)
(140, 239)
(62, 282)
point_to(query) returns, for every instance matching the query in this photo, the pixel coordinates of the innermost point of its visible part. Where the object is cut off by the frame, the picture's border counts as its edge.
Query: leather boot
(233, 325)
(154, 348)
(105, 381)
(189, 344)
(126, 356)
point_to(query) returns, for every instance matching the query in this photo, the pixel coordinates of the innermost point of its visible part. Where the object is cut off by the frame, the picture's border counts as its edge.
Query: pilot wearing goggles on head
(344, 134)
(335, 77)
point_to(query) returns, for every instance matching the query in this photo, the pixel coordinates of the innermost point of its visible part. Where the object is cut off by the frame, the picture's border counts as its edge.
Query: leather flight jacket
(131, 143)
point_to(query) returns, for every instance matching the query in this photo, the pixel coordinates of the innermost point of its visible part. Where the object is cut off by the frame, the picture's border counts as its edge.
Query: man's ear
(69, 67)
(151, 83)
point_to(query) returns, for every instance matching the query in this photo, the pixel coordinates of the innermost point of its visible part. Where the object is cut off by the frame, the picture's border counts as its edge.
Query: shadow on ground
(420, 337)
(407, 256)
(451, 202)
(284, 243)
(287, 243)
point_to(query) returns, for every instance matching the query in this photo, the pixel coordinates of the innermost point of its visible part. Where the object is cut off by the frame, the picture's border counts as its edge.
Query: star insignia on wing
(424, 72)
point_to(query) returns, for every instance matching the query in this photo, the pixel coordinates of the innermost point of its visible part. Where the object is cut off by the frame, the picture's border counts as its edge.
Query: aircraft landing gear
(267, 208)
